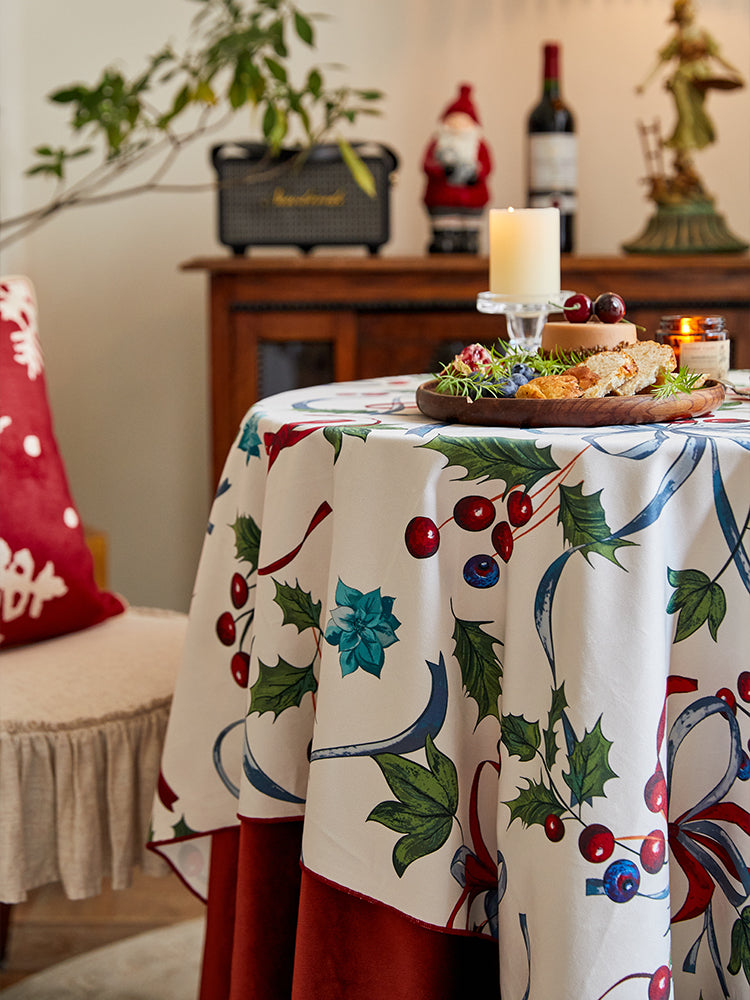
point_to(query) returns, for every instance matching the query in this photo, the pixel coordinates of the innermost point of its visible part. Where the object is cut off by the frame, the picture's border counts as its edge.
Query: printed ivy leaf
(246, 540)
(427, 803)
(481, 669)
(336, 435)
(521, 738)
(559, 704)
(534, 804)
(280, 687)
(298, 607)
(517, 463)
(584, 524)
(589, 765)
(741, 945)
(181, 829)
(698, 600)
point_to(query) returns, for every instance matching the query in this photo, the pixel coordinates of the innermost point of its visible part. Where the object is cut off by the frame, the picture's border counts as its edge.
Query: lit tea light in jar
(525, 254)
(699, 342)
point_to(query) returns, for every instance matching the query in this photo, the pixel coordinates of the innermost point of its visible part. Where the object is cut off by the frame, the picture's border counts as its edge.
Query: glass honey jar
(700, 343)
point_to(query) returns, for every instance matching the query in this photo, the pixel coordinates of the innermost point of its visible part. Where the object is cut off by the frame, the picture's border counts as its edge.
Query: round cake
(567, 337)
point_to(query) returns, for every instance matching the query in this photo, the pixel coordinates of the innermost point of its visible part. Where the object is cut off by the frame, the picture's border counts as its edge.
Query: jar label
(553, 161)
(708, 356)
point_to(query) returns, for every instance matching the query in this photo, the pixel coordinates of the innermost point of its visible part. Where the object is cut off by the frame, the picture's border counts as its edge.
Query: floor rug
(159, 965)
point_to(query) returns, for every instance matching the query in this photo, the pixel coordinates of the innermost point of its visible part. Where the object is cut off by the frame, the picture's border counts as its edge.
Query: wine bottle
(552, 152)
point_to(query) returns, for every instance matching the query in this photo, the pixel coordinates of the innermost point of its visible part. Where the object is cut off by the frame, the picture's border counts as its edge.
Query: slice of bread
(613, 368)
(653, 361)
(550, 387)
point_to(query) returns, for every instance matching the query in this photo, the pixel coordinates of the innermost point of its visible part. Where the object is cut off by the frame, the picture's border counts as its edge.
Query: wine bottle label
(553, 161)
(708, 356)
(567, 203)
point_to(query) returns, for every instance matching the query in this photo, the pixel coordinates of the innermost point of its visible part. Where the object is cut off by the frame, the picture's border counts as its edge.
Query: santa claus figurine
(457, 164)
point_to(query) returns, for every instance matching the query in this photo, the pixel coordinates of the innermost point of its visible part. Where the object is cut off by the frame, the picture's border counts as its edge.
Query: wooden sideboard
(278, 322)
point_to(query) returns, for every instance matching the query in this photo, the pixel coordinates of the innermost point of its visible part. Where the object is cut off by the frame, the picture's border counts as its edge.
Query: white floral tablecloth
(503, 674)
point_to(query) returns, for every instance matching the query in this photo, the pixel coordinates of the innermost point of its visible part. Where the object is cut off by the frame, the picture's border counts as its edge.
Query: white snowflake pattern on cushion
(17, 306)
(20, 592)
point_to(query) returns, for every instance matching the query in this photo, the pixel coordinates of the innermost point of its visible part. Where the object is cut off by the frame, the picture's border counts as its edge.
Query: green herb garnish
(491, 378)
(673, 383)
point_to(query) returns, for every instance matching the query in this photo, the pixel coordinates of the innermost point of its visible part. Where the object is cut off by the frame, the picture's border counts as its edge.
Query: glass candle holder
(700, 343)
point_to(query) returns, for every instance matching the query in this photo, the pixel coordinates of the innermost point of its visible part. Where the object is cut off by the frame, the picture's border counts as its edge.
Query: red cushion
(47, 583)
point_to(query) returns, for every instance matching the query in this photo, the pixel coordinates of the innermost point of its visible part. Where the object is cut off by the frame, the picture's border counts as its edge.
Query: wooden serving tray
(641, 409)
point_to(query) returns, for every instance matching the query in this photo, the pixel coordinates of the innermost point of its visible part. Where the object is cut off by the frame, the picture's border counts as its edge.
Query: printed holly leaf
(246, 540)
(427, 803)
(698, 600)
(298, 607)
(589, 765)
(521, 738)
(280, 687)
(249, 438)
(740, 958)
(534, 804)
(181, 829)
(517, 463)
(559, 704)
(481, 669)
(584, 524)
(336, 436)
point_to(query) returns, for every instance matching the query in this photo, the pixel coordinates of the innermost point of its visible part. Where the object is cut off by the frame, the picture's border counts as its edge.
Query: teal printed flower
(250, 439)
(361, 625)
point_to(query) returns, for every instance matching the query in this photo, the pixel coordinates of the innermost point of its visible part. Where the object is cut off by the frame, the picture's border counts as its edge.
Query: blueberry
(481, 571)
(621, 881)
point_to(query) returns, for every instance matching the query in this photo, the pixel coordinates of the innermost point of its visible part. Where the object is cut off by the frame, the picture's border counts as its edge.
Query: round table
(494, 681)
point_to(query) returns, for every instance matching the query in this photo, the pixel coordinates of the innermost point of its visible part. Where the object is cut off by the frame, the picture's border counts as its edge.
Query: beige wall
(124, 331)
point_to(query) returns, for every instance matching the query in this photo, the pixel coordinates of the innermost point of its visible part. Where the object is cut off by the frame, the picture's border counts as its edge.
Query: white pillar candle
(525, 254)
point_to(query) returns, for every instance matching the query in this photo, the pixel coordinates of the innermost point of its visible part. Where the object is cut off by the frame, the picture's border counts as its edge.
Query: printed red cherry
(239, 590)
(225, 628)
(596, 842)
(653, 852)
(474, 513)
(520, 508)
(502, 539)
(554, 828)
(743, 685)
(728, 696)
(655, 792)
(422, 537)
(578, 308)
(660, 983)
(241, 668)
(609, 307)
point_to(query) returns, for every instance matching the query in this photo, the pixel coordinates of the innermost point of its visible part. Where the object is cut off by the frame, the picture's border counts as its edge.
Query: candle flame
(688, 325)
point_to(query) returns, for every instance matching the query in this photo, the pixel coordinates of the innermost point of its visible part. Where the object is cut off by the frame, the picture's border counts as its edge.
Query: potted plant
(239, 59)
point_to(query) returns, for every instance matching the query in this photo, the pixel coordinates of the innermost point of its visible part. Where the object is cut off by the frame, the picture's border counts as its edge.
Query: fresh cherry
(554, 828)
(596, 842)
(520, 508)
(621, 880)
(239, 590)
(502, 539)
(578, 308)
(743, 685)
(241, 668)
(226, 629)
(655, 792)
(660, 984)
(728, 696)
(474, 513)
(653, 851)
(609, 307)
(422, 537)
(481, 571)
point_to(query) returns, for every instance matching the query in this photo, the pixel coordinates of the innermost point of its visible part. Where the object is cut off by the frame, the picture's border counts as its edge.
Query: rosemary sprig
(672, 383)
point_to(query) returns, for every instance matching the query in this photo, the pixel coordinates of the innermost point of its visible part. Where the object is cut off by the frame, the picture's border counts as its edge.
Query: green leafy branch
(239, 58)
(587, 761)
